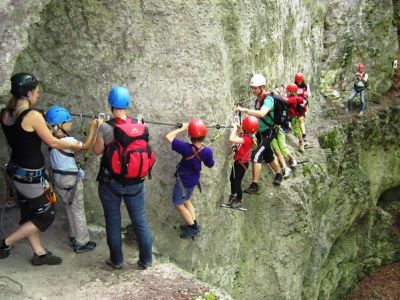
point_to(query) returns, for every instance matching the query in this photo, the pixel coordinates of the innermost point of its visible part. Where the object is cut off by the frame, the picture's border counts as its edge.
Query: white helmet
(257, 80)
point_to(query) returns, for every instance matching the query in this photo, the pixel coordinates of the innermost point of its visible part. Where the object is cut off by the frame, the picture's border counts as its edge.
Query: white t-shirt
(62, 162)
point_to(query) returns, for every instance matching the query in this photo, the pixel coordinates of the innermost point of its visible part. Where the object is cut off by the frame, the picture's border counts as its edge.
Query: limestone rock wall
(185, 59)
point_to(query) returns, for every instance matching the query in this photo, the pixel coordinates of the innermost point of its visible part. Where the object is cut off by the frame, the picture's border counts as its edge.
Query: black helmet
(22, 83)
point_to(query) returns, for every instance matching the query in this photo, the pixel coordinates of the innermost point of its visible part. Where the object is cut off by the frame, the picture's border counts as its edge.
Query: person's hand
(185, 126)
(94, 123)
(241, 109)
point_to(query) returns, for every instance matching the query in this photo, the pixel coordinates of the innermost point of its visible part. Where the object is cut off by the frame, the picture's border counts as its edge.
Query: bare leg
(185, 213)
(29, 231)
(189, 206)
(275, 166)
(256, 172)
(302, 125)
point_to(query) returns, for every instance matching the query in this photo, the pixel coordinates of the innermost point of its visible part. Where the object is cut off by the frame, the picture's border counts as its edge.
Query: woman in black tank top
(25, 129)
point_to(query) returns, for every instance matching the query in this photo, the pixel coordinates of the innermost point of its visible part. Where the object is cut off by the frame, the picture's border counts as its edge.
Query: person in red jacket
(303, 91)
(244, 143)
(297, 110)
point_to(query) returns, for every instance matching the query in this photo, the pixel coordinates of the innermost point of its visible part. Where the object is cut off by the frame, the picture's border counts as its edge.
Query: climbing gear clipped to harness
(197, 128)
(129, 158)
(119, 97)
(50, 194)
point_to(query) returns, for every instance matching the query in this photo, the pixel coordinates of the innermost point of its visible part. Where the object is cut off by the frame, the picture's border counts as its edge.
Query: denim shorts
(181, 193)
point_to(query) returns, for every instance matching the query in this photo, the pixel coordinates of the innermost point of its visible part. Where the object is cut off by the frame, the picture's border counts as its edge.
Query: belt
(65, 172)
(22, 172)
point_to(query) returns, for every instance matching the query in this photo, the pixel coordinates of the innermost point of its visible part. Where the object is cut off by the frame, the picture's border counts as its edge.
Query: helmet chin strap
(62, 129)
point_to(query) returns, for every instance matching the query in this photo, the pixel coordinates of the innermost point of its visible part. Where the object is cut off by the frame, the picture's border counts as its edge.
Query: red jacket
(297, 106)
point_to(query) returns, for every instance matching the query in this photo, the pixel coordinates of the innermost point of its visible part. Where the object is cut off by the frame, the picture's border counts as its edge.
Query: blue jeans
(351, 99)
(111, 194)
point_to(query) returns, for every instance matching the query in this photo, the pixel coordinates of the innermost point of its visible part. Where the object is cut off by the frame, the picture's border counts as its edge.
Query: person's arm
(173, 134)
(36, 122)
(98, 147)
(234, 138)
(252, 112)
(92, 130)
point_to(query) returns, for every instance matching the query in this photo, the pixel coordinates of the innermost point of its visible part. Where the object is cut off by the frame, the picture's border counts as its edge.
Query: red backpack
(128, 157)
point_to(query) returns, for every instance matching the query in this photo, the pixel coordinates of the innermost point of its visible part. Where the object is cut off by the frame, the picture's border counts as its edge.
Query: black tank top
(25, 146)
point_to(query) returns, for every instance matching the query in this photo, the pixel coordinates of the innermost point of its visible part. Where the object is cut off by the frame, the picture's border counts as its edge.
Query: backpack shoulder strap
(116, 121)
(195, 153)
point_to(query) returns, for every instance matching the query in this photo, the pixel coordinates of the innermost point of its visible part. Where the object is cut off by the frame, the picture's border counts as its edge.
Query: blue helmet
(119, 97)
(57, 114)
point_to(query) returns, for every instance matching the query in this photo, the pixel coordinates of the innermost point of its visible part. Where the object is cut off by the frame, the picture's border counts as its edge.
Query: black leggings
(237, 174)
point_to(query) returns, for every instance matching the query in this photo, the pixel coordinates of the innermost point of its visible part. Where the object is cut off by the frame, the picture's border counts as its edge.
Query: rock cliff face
(324, 228)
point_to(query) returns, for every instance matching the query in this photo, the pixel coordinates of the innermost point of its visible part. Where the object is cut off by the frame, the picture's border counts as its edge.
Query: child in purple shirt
(188, 171)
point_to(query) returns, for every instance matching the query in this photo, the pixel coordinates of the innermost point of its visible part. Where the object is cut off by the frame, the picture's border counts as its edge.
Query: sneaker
(348, 110)
(237, 204)
(252, 189)
(72, 242)
(89, 246)
(293, 163)
(301, 146)
(232, 199)
(4, 250)
(278, 179)
(360, 113)
(45, 259)
(286, 172)
(114, 266)
(190, 232)
(143, 265)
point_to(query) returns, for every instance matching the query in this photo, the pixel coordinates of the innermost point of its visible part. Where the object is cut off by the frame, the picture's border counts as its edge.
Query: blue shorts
(181, 193)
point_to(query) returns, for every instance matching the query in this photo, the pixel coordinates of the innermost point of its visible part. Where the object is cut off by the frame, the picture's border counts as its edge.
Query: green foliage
(329, 141)
(207, 296)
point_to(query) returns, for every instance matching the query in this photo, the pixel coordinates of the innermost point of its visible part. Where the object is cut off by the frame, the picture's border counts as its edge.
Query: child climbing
(297, 109)
(67, 177)
(281, 151)
(188, 171)
(244, 143)
(304, 91)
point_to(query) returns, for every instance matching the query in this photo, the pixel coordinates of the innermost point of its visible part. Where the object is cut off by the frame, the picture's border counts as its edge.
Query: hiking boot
(4, 250)
(286, 172)
(293, 163)
(301, 146)
(232, 199)
(89, 246)
(114, 266)
(252, 189)
(186, 226)
(278, 179)
(189, 233)
(45, 259)
(237, 204)
(142, 265)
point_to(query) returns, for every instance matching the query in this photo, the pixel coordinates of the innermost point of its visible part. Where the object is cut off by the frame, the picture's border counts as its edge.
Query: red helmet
(250, 124)
(197, 128)
(291, 88)
(299, 77)
(360, 68)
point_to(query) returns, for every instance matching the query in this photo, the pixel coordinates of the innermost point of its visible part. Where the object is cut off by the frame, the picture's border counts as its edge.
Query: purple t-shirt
(189, 170)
